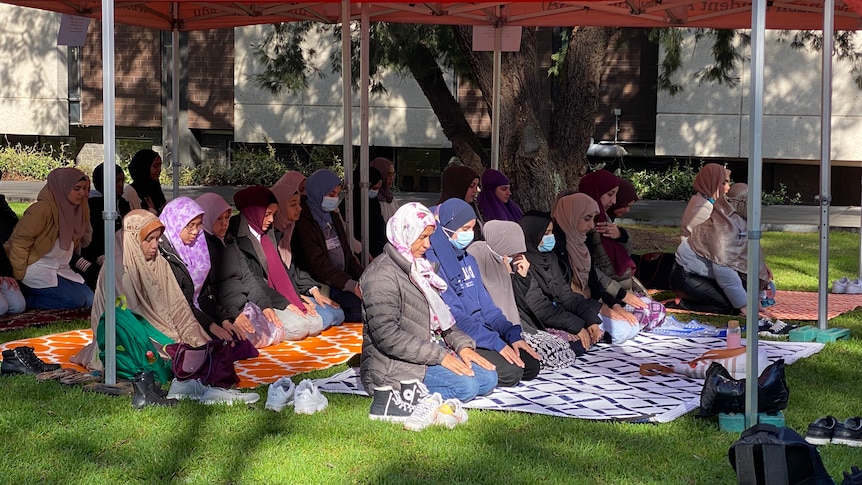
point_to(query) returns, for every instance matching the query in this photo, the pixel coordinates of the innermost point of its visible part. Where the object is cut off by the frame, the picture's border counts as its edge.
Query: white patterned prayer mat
(605, 383)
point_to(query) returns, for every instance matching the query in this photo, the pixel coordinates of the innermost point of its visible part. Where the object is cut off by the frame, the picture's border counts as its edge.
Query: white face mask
(372, 193)
(329, 204)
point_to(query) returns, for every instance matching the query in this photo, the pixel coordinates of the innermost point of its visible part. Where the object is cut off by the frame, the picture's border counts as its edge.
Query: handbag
(211, 363)
(731, 359)
(653, 269)
(722, 393)
(265, 333)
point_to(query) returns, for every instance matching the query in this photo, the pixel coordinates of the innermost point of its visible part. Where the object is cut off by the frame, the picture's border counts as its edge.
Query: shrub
(675, 183)
(781, 197)
(20, 162)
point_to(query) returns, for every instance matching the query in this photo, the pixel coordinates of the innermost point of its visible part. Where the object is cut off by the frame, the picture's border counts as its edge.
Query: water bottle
(734, 335)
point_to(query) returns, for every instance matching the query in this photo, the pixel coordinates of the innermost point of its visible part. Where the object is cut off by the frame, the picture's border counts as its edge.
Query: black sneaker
(413, 390)
(820, 432)
(778, 329)
(22, 360)
(30, 355)
(848, 432)
(387, 405)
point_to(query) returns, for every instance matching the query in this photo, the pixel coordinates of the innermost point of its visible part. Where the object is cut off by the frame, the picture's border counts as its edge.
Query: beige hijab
(283, 192)
(150, 286)
(723, 238)
(708, 184)
(568, 211)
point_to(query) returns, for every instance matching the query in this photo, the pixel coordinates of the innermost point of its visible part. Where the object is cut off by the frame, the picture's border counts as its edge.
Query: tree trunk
(455, 126)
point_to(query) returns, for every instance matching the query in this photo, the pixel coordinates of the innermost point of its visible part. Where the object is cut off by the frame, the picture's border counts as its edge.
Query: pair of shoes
(763, 325)
(308, 399)
(853, 477)
(777, 329)
(280, 395)
(146, 392)
(848, 286)
(432, 409)
(829, 430)
(220, 395)
(192, 389)
(23, 360)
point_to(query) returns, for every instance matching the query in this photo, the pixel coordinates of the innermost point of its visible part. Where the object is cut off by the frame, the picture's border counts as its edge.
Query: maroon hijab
(597, 184)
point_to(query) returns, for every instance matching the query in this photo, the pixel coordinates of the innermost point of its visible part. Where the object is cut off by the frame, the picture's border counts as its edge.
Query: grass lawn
(59, 434)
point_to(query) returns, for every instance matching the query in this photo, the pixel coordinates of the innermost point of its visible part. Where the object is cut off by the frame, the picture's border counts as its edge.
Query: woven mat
(334, 346)
(605, 383)
(35, 318)
(802, 305)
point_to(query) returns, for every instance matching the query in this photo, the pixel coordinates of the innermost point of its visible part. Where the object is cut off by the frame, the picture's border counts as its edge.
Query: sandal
(52, 375)
(79, 378)
(121, 388)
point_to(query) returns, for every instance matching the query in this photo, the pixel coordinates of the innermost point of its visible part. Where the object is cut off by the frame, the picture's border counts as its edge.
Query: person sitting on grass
(497, 339)
(46, 238)
(710, 184)
(409, 335)
(288, 196)
(145, 169)
(250, 229)
(11, 298)
(462, 182)
(388, 203)
(186, 252)
(495, 199)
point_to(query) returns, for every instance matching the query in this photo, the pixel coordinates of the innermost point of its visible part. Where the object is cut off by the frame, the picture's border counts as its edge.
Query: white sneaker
(451, 413)
(192, 389)
(280, 394)
(307, 399)
(840, 286)
(219, 395)
(854, 287)
(424, 412)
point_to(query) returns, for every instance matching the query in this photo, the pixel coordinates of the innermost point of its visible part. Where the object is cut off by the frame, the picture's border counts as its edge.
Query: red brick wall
(210, 70)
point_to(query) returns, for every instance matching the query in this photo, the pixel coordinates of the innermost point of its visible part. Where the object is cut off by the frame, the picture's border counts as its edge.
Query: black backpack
(767, 455)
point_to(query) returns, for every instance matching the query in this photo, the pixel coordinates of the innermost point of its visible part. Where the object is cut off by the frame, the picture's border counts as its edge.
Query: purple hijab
(491, 206)
(175, 216)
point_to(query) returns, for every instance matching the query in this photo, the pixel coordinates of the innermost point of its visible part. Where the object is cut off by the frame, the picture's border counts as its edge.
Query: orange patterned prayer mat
(334, 346)
(802, 305)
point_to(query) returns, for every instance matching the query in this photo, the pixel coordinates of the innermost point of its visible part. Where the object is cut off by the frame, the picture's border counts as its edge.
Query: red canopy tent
(757, 15)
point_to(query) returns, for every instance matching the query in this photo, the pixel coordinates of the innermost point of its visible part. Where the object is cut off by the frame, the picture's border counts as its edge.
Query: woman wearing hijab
(289, 210)
(461, 182)
(574, 217)
(293, 179)
(506, 275)
(710, 185)
(376, 223)
(145, 168)
(626, 197)
(495, 199)
(93, 256)
(711, 263)
(186, 252)
(241, 295)
(497, 339)
(47, 237)
(251, 230)
(555, 305)
(388, 204)
(409, 334)
(11, 298)
(321, 247)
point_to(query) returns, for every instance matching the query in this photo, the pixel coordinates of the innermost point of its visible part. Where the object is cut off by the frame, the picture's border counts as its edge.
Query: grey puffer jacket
(396, 341)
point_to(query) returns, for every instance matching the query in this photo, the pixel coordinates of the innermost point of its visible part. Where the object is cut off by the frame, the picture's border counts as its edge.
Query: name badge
(333, 243)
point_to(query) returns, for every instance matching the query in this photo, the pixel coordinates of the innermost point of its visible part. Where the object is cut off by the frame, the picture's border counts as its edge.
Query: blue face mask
(548, 243)
(462, 239)
(372, 193)
(329, 204)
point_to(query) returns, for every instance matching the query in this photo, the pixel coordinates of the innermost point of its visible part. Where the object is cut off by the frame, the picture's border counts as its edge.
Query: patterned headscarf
(491, 206)
(568, 211)
(402, 230)
(596, 184)
(196, 256)
(318, 185)
(382, 165)
(74, 219)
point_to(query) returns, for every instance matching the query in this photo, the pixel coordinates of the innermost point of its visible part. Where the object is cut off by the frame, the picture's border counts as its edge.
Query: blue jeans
(67, 294)
(464, 388)
(351, 305)
(332, 317)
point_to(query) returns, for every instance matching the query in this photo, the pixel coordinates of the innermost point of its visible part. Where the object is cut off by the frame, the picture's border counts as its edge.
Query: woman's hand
(309, 305)
(596, 333)
(358, 292)
(619, 313)
(322, 299)
(469, 356)
(9, 282)
(234, 330)
(295, 309)
(272, 317)
(220, 333)
(632, 299)
(511, 355)
(456, 365)
(521, 265)
(243, 323)
(523, 345)
(608, 229)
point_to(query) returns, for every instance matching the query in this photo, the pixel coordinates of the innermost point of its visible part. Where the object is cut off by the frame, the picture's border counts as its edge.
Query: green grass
(59, 434)
(19, 207)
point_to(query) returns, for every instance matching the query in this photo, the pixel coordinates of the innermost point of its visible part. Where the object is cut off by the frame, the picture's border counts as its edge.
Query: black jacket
(559, 308)
(597, 290)
(8, 220)
(233, 283)
(209, 312)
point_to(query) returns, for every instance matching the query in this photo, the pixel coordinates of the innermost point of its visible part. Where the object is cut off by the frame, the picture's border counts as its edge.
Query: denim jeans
(67, 294)
(332, 317)
(11, 299)
(464, 388)
(351, 305)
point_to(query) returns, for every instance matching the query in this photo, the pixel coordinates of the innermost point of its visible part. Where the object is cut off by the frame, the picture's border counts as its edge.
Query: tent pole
(825, 158)
(347, 107)
(175, 102)
(364, 47)
(495, 101)
(110, 189)
(755, 165)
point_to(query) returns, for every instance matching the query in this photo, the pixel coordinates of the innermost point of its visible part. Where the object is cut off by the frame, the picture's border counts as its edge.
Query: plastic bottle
(734, 335)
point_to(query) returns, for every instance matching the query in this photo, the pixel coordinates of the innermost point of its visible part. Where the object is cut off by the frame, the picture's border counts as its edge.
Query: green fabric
(135, 337)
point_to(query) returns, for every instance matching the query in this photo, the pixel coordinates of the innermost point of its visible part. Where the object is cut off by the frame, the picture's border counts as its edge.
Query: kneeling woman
(409, 332)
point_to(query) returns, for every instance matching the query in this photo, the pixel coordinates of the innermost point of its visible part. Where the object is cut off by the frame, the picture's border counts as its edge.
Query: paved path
(790, 218)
